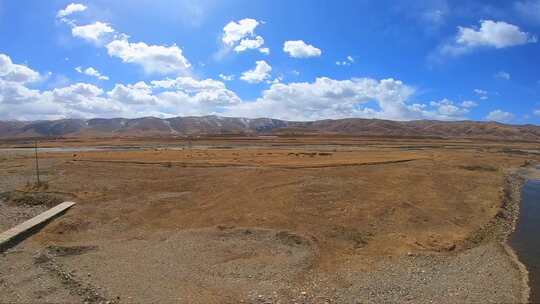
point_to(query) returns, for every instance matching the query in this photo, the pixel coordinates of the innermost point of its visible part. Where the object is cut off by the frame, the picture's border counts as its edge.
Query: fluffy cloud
(16, 72)
(94, 32)
(491, 34)
(329, 98)
(80, 100)
(536, 112)
(322, 98)
(249, 44)
(154, 59)
(172, 97)
(90, 71)
(71, 9)
(163, 98)
(494, 34)
(300, 49)
(502, 75)
(13, 80)
(236, 31)
(241, 36)
(446, 108)
(260, 73)
(77, 92)
(499, 115)
(14, 93)
(138, 93)
(189, 84)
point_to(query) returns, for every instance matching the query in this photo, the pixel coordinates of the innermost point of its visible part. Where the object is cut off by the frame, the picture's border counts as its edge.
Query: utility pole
(37, 163)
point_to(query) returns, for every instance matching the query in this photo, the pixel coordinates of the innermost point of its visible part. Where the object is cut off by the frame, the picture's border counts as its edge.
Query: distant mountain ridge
(214, 125)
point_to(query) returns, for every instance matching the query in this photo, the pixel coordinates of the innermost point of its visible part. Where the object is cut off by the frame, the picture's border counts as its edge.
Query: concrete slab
(18, 233)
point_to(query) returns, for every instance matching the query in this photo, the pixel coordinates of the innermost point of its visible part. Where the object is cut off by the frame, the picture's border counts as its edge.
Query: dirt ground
(265, 220)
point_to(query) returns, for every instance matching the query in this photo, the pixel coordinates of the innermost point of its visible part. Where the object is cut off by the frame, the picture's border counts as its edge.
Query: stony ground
(278, 222)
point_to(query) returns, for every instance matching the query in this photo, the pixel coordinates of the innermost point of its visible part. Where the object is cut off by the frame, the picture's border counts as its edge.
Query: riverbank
(523, 244)
(520, 179)
(525, 175)
(509, 216)
(511, 208)
(500, 228)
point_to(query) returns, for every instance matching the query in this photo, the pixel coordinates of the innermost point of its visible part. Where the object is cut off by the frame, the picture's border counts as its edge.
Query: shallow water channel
(526, 239)
(70, 149)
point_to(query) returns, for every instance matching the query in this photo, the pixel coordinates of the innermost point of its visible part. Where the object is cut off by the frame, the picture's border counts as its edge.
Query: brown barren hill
(215, 125)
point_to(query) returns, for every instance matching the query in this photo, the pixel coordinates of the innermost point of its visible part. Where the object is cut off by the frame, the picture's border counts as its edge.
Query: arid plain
(265, 219)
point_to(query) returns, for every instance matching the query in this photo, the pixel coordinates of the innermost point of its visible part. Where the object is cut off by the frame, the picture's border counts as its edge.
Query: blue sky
(296, 60)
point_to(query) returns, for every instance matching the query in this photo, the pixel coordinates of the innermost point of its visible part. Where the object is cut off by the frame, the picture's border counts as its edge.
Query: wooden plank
(21, 231)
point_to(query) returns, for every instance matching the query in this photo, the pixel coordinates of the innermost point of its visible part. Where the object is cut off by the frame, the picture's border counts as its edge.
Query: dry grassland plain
(265, 220)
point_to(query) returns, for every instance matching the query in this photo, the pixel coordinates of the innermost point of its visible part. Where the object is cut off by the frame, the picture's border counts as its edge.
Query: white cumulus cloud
(240, 36)
(154, 59)
(71, 9)
(447, 108)
(90, 71)
(162, 98)
(300, 49)
(330, 98)
(260, 73)
(15, 93)
(500, 116)
(189, 84)
(249, 44)
(490, 34)
(16, 72)
(94, 32)
(133, 94)
(236, 31)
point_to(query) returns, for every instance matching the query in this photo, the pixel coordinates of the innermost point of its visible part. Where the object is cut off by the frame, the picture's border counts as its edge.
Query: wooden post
(37, 163)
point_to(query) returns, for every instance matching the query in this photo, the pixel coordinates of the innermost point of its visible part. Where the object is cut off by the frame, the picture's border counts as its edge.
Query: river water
(71, 149)
(526, 238)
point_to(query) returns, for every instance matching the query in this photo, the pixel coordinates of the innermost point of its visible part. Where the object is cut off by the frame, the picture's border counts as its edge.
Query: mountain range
(214, 125)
